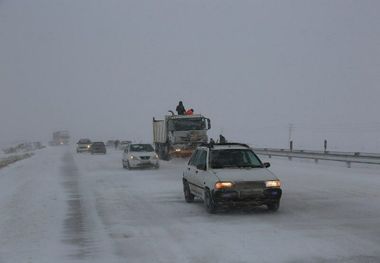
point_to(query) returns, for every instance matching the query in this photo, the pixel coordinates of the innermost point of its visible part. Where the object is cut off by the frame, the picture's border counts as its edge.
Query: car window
(141, 148)
(84, 141)
(201, 160)
(234, 158)
(193, 158)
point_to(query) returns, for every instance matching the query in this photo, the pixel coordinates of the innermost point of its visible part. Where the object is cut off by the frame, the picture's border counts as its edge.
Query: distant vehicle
(179, 135)
(110, 143)
(140, 156)
(60, 138)
(228, 175)
(83, 145)
(98, 147)
(124, 144)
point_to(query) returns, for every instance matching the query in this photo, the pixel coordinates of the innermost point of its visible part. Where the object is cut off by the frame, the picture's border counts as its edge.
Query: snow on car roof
(226, 146)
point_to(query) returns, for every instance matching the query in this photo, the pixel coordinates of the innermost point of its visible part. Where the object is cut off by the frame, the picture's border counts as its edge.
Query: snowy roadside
(7, 160)
(32, 205)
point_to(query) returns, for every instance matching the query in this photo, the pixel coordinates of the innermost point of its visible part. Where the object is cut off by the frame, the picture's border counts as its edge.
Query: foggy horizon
(103, 70)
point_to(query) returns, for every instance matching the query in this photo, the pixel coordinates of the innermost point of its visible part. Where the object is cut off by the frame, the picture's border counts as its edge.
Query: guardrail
(347, 157)
(13, 158)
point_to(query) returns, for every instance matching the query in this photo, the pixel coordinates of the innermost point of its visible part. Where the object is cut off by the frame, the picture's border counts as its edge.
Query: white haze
(103, 69)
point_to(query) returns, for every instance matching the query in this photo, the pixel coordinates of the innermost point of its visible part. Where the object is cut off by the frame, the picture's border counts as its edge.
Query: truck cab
(179, 135)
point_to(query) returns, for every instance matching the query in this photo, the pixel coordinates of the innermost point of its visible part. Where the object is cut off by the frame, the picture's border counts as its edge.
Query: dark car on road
(98, 147)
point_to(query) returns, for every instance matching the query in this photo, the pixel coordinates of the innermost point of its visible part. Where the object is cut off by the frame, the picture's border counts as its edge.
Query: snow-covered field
(59, 206)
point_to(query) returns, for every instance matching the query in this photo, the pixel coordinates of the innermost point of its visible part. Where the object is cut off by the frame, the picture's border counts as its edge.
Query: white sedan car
(140, 156)
(230, 175)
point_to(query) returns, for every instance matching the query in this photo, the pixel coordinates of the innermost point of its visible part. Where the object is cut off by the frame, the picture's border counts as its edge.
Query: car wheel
(273, 207)
(209, 202)
(189, 197)
(124, 166)
(128, 166)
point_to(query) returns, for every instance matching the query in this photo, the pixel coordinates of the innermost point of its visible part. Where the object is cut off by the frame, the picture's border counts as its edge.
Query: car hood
(249, 174)
(139, 154)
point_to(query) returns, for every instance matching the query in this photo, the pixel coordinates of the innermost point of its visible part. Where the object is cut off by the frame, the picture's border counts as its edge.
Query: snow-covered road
(59, 206)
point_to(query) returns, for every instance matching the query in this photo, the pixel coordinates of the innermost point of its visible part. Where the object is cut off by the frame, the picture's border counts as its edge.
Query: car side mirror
(266, 165)
(208, 124)
(201, 167)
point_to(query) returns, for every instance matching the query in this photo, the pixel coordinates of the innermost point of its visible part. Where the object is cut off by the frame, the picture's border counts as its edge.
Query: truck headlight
(177, 150)
(273, 184)
(223, 185)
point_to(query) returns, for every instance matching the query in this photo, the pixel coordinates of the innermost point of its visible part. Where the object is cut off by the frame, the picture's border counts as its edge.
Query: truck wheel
(273, 207)
(165, 154)
(189, 197)
(209, 202)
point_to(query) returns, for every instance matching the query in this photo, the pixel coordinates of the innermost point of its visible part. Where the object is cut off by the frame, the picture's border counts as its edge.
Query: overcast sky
(103, 69)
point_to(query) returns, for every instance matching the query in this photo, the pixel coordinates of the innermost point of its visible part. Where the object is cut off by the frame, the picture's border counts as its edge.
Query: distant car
(110, 143)
(98, 147)
(230, 175)
(83, 145)
(140, 156)
(124, 144)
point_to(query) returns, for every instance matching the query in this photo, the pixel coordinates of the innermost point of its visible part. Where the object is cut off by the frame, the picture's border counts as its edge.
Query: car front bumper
(99, 151)
(83, 149)
(143, 163)
(254, 197)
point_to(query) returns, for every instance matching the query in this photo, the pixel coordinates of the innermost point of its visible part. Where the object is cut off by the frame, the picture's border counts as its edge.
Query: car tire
(129, 166)
(189, 197)
(124, 166)
(273, 207)
(209, 202)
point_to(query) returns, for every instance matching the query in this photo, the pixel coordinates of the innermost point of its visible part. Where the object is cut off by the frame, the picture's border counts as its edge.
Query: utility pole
(291, 127)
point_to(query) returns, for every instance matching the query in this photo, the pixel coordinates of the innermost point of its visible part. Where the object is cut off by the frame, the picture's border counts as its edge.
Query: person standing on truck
(189, 112)
(180, 109)
(222, 139)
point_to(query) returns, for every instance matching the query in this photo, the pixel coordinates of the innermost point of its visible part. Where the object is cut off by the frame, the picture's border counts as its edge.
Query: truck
(60, 138)
(179, 135)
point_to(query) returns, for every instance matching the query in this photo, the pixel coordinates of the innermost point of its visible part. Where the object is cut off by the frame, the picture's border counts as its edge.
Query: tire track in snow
(82, 229)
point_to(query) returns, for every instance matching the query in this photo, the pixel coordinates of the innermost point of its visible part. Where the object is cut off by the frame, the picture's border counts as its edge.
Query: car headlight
(88, 146)
(273, 184)
(223, 185)
(132, 157)
(155, 156)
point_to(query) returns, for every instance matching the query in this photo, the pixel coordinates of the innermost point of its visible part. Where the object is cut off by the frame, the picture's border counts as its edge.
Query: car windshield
(84, 141)
(98, 143)
(187, 124)
(141, 148)
(236, 158)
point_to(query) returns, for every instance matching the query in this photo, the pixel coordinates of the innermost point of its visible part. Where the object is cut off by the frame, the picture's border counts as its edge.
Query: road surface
(59, 206)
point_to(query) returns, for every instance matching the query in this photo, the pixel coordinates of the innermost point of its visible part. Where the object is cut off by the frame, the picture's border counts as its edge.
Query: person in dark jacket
(180, 109)
(222, 139)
